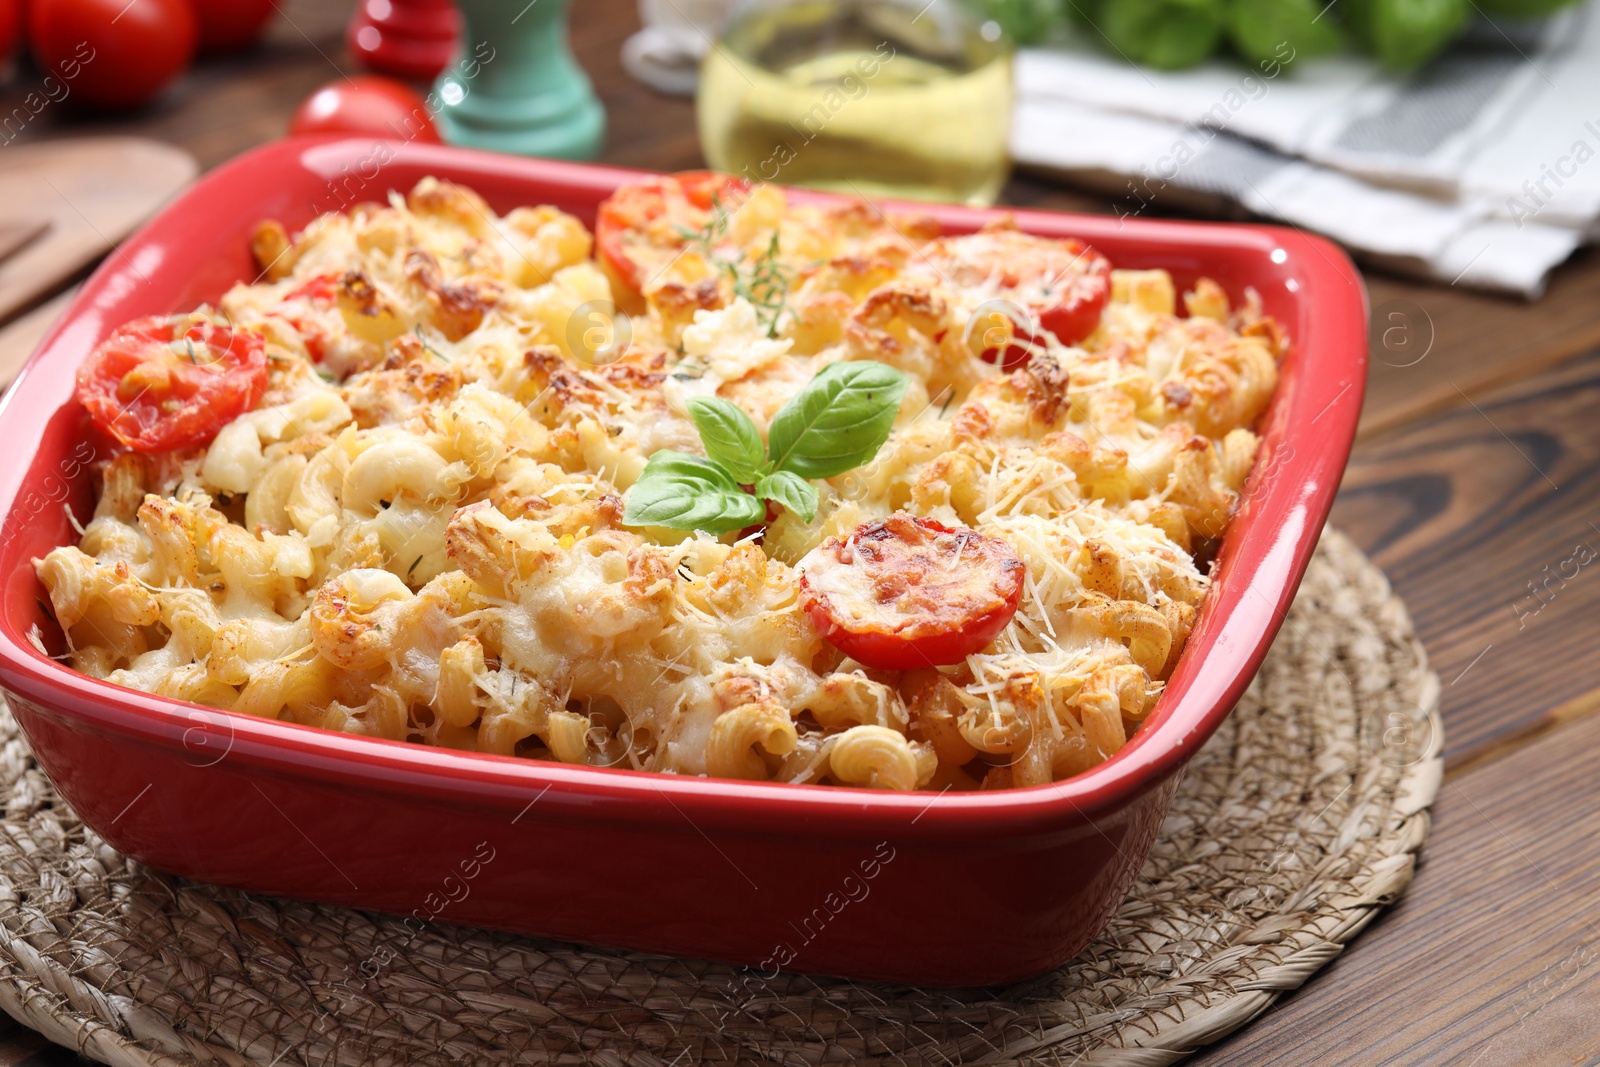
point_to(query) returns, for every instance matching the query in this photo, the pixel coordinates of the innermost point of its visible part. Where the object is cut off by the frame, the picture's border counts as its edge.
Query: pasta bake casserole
(735, 486)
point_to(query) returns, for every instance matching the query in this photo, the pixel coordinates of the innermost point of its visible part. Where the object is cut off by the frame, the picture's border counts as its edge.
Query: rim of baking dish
(1261, 562)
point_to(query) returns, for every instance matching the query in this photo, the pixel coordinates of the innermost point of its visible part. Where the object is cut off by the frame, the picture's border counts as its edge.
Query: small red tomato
(114, 54)
(366, 104)
(639, 228)
(10, 27)
(162, 383)
(909, 592)
(230, 25)
(1060, 285)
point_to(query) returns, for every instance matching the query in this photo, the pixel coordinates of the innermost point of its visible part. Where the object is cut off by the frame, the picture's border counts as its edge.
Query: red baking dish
(944, 890)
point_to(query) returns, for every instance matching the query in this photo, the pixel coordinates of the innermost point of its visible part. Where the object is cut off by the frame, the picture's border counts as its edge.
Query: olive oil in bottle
(869, 97)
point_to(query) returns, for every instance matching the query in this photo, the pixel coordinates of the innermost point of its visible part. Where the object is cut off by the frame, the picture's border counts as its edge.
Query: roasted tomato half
(1060, 284)
(164, 383)
(908, 592)
(641, 228)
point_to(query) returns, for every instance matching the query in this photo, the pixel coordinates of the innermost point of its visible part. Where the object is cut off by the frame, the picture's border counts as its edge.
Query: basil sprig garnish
(689, 492)
(837, 422)
(729, 437)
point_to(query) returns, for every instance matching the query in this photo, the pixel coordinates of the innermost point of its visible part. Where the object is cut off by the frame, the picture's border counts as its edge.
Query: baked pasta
(499, 484)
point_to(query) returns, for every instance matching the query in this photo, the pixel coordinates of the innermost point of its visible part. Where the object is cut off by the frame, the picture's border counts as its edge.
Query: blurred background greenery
(1176, 34)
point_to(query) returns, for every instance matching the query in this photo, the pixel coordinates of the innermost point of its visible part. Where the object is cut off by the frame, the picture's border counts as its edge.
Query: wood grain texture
(1492, 958)
(1483, 518)
(16, 234)
(1479, 341)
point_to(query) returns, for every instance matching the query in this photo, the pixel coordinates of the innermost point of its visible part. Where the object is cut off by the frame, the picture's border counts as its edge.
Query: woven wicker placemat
(1291, 829)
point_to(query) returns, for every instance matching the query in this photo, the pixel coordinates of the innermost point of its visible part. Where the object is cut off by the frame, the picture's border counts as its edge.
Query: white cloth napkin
(1483, 169)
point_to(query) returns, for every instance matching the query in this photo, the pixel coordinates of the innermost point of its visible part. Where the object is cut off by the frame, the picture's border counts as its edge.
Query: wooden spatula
(22, 335)
(17, 235)
(80, 197)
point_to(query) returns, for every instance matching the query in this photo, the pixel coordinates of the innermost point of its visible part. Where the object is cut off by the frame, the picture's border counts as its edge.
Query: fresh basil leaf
(838, 421)
(685, 492)
(729, 436)
(792, 491)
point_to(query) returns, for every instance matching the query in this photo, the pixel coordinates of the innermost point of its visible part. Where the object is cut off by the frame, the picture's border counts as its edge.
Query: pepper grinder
(407, 38)
(516, 86)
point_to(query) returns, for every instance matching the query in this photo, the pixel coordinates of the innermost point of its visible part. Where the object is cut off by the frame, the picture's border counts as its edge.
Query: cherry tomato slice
(640, 228)
(158, 384)
(319, 290)
(318, 295)
(1061, 284)
(909, 592)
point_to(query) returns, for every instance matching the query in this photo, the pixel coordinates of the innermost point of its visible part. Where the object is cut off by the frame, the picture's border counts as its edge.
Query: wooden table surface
(1475, 485)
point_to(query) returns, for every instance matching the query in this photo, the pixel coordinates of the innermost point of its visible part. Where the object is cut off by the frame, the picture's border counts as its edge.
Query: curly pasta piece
(456, 696)
(936, 707)
(880, 758)
(396, 467)
(740, 736)
(76, 581)
(302, 688)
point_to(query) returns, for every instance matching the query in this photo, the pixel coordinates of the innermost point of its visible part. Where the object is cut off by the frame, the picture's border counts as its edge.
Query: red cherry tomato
(113, 53)
(162, 383)
(230, 25)
(10, 26)
(366, 104)
(1059, 284)
(640, 228)
(909, 592)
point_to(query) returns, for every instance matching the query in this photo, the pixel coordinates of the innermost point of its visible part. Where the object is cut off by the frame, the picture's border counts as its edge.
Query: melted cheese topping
(418, 535)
